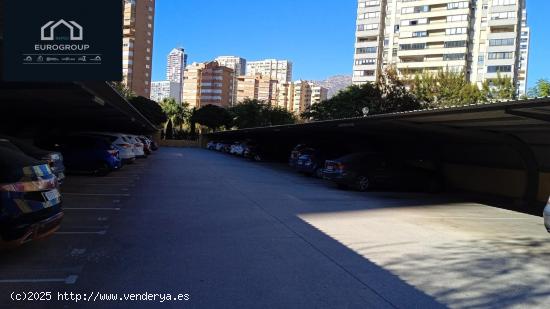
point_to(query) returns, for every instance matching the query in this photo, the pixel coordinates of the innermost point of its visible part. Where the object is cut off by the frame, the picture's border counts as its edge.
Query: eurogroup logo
(47, 32)
(62, 40)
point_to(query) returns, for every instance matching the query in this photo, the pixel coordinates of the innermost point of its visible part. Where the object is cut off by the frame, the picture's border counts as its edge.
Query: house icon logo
(47, 32)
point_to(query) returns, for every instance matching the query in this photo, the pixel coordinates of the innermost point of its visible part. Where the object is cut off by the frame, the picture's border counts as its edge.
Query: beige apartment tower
(280, 70)
(481, 38)
(257, 87)
(139, 18)
(207, 84)
(238, 65)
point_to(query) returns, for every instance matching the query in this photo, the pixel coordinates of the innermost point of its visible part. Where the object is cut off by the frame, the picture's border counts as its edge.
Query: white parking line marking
(95, 194)
(91, 208)
(68, 280)
(82, 233)
(102, 219)
(116, 201)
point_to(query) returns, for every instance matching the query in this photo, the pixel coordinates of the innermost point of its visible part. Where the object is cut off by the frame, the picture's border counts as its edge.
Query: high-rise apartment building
(257, 87)
(300, 97)
(318, 94)
(285, 92)
(238, 65)
(481, 38)
(280, 70)
(207, 84)
(139, 17)
(175, 65)
(165, 89)
(523, 54)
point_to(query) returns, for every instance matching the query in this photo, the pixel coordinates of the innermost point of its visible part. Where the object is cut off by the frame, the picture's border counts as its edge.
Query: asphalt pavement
(218, 231)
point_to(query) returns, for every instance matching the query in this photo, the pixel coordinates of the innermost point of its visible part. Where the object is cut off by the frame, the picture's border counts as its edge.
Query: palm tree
(177, 114)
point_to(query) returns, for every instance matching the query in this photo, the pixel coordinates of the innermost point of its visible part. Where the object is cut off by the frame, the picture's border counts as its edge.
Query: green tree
(446, 88)
(541, 89)
(501, 88)
(212, 116)
(347, 103)
(150, 109)
(387, 96)
(123, 89)
(253, 113)
(395, 95)
(177, 114)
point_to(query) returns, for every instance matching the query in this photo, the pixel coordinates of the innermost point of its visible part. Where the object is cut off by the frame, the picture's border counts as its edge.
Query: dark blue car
(30, 202)
(89, 154)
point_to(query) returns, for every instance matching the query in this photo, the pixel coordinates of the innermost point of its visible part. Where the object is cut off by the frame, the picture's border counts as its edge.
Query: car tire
(363, 183)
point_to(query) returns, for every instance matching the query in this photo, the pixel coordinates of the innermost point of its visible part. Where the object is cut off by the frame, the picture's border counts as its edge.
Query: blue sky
(317, 35)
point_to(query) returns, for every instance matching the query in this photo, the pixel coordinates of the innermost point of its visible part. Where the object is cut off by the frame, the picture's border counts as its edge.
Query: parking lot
(234, 233)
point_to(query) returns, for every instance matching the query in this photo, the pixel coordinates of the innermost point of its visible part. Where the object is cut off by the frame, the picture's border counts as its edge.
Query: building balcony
(431, 64)
(434, 26)
(502, 22)
(431, 51)
(434, 13)
(367, 33)
(432, 38)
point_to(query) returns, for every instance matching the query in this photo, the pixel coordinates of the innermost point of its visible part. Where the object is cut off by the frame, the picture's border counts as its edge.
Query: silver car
(546, 215)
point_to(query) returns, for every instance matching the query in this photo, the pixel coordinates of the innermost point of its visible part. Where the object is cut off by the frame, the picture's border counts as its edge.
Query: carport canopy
(478, 146)
(71, 106)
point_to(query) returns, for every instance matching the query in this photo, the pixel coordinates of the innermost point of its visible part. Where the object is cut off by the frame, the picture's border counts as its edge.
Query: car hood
(16, 166)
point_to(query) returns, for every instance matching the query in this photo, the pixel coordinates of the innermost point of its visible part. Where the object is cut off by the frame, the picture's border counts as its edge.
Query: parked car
(265, 151)
(154, 145)
(30, 202)
(238, 148)
(87, 153)
(211, 145)
(120, 142)
(252, 152)
(295, 153)
(546, 214)
(146, 144)
(365, 171)
(53, 158)
(312, 161)
(223, 146)
(138, 149)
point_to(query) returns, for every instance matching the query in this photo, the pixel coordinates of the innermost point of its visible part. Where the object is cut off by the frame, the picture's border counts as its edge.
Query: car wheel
(363, 183)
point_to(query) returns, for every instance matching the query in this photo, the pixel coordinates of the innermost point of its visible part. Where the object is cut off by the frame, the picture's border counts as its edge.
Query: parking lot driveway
(238, 234)
(226, 231)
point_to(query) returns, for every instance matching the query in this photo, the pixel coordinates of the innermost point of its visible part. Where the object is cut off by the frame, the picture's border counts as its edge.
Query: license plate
(51, 195)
